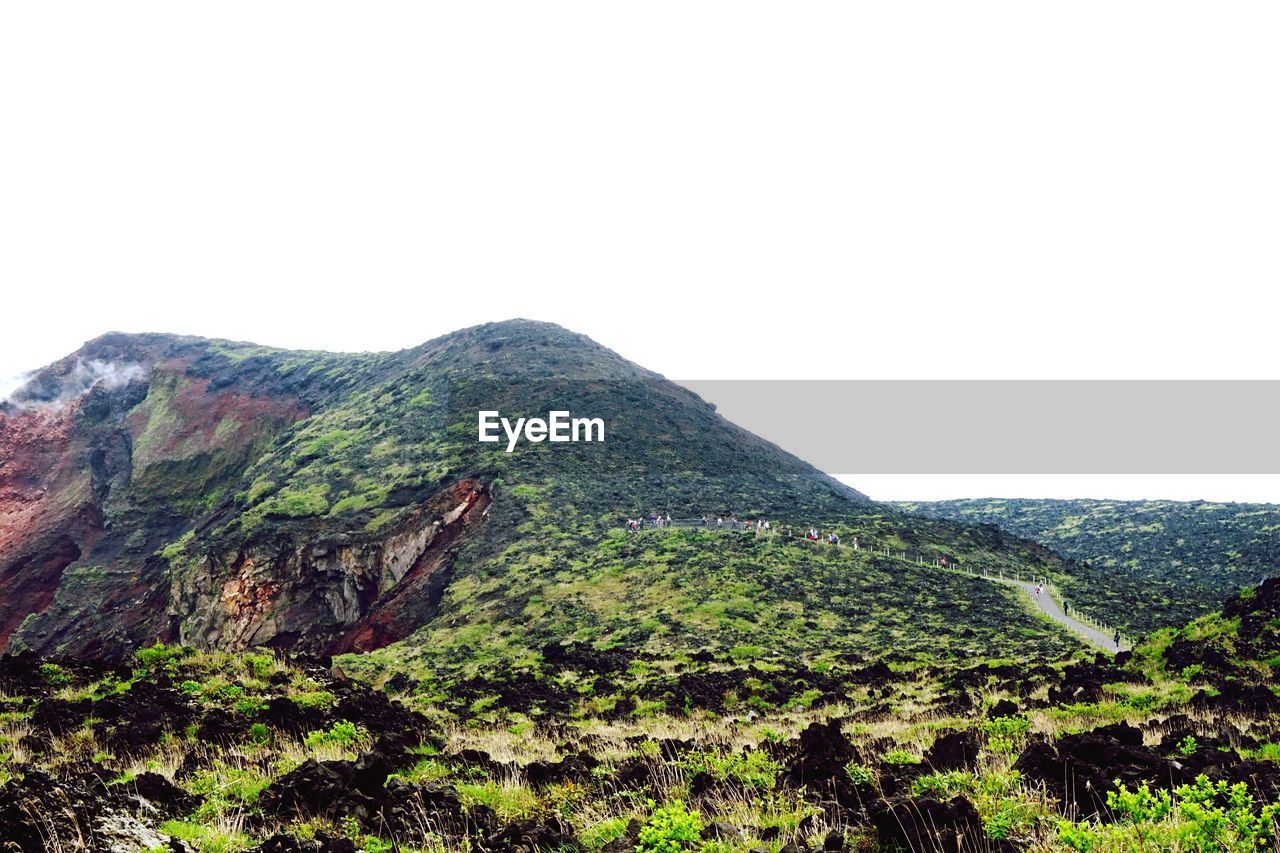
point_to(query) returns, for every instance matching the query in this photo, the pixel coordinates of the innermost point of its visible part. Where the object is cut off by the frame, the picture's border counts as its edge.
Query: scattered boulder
(821, 754)
(927, 824)
(323, 842)
(1081, 769)
(167, 798)
(953, 751)
(531, 836)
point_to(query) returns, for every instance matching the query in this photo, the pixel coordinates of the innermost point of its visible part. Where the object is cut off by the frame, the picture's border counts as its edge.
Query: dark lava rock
(41, 812)
(953, 751)
(1003, 708)
(167, 797)
(1253, 699)
(323, 842)
(137, 718)
(1209, 655)
(633, 774)
(1121, 733)
(821, 753)
(1083, 768)
(573, 768)
(410, 810)
(285, 715)
(529, 836)
(928, 825)
(396, 729)
(220, 726)
(1082, 682)
(897, 779)
(877, 673)
(320, 789)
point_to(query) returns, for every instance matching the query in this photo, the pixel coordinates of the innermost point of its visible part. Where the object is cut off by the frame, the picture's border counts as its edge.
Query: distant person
(1117, 639)
(855, 543)
(719, 521)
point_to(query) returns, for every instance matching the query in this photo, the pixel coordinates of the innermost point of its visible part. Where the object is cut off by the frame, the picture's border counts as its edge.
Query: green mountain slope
(1141, 564)
(226, 495)
(663, 606)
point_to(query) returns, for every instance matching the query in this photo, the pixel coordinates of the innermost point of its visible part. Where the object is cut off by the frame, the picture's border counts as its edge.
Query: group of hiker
(652, 521)
(832, 537)
(761, 525)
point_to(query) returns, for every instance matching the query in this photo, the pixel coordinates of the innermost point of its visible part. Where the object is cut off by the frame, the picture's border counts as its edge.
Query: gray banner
(1012, 427)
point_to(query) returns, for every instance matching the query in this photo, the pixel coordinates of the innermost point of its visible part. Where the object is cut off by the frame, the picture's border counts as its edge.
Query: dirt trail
(1051, 608)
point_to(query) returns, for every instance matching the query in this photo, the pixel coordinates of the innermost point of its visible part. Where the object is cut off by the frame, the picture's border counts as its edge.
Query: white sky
(714, 189)
(1258, 488)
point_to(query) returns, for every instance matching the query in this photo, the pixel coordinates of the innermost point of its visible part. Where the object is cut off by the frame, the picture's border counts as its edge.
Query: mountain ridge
(155, 446)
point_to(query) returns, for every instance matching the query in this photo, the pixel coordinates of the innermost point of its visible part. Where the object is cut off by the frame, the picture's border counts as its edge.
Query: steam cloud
(54, 391)
(9, 384)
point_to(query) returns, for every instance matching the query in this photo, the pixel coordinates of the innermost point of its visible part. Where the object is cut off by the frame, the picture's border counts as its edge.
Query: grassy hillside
(1141, 564)
(1172, 748)
(244, 496)
(661, 605)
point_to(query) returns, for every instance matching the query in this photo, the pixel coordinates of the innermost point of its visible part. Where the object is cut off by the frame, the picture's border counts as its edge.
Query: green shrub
(1010, 819)
(1007, 727)
(752, 768)
(860, 774)
(1143, 701)
(259, 666)
(342, 733)
(671, 829)
(314, 699)
(1005, 734)
(1202, 816)
(942, 786)
(158, 655)
(901, 756)
(53, 674)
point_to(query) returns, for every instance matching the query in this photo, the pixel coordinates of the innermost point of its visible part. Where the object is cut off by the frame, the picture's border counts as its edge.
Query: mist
(46, 390)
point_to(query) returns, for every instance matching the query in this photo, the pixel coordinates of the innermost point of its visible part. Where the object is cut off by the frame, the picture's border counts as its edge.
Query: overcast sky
(716, 190)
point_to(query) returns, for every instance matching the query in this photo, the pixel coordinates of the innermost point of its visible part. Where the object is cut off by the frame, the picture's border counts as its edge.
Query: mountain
(378, 633)
(229, 495)
(1177, 559)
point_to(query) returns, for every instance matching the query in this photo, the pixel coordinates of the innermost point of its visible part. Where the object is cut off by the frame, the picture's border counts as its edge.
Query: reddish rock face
(327, 593)
(414, 598)
(96, 482)
(96, 476)
(47, 516)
